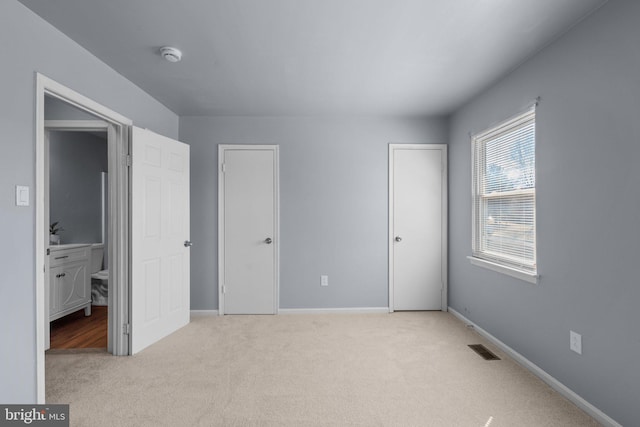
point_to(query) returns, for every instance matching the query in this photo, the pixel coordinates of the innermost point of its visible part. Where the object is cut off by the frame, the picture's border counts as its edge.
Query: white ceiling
(314, 57)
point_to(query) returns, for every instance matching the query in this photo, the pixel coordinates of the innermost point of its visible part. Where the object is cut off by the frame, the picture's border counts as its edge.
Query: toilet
(99, 277)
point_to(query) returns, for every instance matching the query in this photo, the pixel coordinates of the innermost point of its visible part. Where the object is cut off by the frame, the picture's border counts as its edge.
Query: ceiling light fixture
(171, 54)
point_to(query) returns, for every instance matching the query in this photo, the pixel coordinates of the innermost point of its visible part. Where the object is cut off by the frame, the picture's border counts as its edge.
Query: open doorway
(60, 109)
(76, 182)
(147, 236)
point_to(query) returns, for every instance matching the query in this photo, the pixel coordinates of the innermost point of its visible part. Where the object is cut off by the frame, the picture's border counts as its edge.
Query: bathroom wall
(56, 109)
(76, 160)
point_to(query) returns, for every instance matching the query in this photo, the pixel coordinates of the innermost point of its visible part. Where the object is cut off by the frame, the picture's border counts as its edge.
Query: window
(504, 197)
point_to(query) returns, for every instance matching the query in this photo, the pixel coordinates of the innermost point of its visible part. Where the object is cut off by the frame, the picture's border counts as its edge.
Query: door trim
(444, 246)
(221, 273)
(118, 212)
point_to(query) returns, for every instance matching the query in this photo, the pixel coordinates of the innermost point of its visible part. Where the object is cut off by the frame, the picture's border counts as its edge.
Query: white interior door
(417, 230)
(248, 229)
(160, 234)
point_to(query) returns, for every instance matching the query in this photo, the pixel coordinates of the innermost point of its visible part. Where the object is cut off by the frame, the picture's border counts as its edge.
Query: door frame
(221, 208)
(444, 212)
(118, 153)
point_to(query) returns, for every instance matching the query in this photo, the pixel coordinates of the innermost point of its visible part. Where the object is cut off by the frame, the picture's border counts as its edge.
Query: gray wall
(37, 46)
(56, 109)
(333, 202)
(76, 160)
(588, 206)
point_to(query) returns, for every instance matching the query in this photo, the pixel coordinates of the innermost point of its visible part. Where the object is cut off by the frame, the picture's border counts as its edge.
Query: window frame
(481, 256)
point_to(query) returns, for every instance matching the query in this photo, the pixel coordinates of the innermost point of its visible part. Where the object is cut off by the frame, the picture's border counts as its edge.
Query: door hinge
(224, 167)
(48, 251)
(126, 329)
(127, 160)
(224, 289)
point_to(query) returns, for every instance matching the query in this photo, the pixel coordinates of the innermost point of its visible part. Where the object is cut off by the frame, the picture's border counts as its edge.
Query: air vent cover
(483, 351)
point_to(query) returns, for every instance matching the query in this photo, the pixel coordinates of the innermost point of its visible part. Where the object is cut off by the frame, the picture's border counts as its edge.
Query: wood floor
(77, 331)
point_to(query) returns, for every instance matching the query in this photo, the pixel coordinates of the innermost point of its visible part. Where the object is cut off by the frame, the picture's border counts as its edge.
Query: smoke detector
(171, 54)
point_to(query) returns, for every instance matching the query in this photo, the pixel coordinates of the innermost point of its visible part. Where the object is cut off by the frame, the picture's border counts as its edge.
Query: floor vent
(483, 351)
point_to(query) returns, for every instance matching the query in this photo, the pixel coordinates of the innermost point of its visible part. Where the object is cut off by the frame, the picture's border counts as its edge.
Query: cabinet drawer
(64, 256)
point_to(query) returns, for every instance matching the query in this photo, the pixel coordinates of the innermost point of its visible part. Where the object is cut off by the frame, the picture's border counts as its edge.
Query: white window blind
(504, 194)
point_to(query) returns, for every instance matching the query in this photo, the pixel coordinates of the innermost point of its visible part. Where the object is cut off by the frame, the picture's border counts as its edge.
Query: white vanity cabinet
(69, 280)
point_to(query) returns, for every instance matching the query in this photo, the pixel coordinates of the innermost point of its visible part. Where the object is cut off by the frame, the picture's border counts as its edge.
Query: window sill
(518, 274)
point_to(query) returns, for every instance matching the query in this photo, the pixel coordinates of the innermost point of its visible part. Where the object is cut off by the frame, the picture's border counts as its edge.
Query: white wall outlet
(575, 342)
(324, 280)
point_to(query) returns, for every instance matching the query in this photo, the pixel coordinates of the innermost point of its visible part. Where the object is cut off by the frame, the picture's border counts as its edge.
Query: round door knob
(187, 243)
(268, 240)
(398, 239)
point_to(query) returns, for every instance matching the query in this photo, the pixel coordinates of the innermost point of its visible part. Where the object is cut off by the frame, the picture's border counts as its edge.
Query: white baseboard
(333, 310)
(204, 312)
(565, 391)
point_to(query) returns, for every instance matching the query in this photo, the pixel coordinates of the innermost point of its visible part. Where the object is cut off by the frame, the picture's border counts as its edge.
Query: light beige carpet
(401, 369)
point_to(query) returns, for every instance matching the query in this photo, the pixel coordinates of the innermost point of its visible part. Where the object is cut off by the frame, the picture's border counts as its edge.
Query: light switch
(22, 195)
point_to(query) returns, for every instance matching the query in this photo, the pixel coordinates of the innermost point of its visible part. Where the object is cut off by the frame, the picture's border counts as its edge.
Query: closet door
(417, 238)
(248, 229)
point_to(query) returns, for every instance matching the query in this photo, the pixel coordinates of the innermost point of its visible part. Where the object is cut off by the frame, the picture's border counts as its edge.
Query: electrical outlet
(575, 342)
(324, 280)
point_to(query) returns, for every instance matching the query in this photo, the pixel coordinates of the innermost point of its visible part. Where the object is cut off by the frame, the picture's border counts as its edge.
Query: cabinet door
(73, 286)
(55, 282)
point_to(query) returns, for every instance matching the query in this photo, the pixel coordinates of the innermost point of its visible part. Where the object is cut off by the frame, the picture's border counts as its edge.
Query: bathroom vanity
(69, 280)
